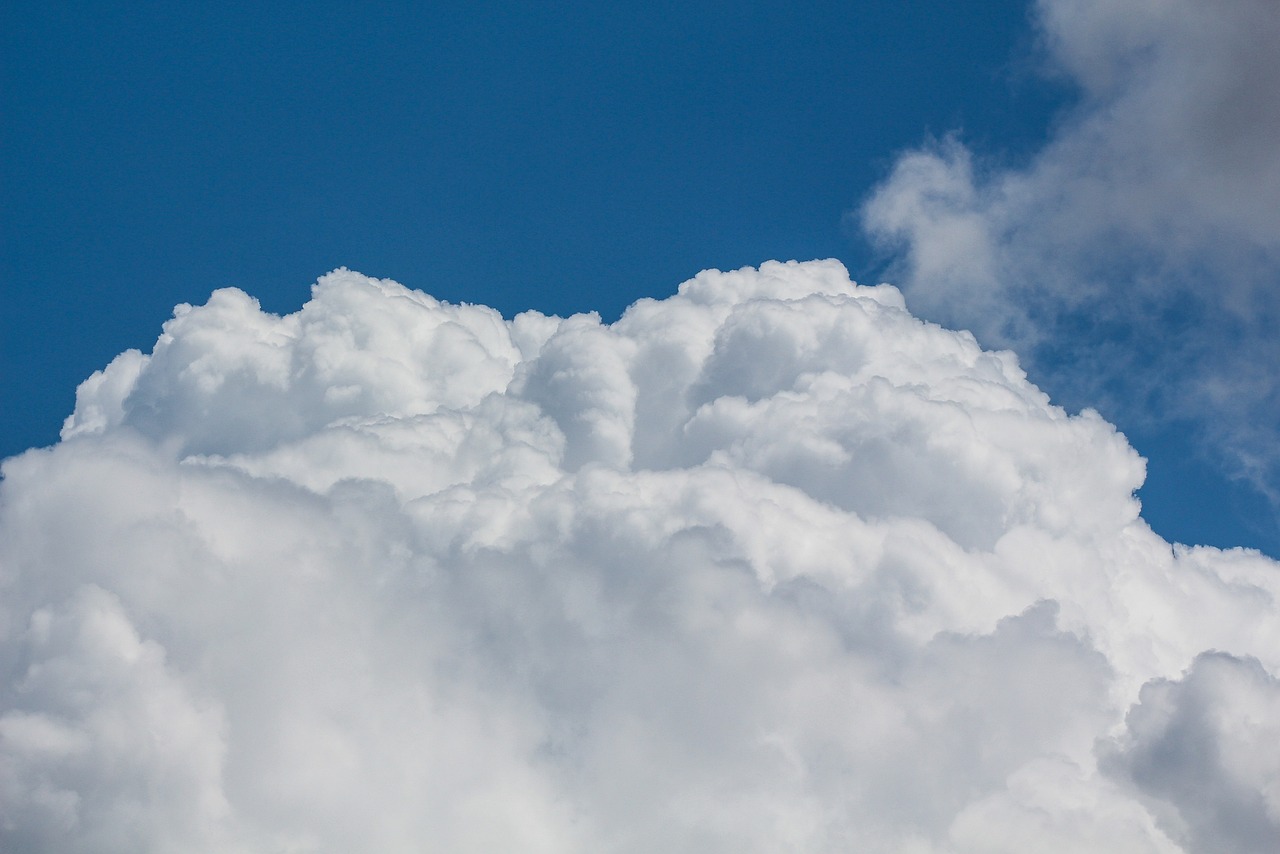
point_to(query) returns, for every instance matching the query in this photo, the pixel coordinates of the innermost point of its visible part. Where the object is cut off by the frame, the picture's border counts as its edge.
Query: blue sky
(765, 564)
(567, 158)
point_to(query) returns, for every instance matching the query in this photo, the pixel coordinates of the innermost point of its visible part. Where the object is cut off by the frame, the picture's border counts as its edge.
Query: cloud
(1139, 239)
(769, 564)
(1204, 750)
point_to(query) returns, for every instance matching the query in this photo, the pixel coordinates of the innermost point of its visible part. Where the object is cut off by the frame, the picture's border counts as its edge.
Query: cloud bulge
(770, 564)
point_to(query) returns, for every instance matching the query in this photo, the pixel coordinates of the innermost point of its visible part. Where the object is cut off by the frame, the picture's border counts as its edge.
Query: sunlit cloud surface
(767, 565)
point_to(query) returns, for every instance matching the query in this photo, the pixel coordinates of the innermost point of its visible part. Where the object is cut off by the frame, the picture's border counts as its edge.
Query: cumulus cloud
(1205, 750)
(767, 565)
(1149, 218)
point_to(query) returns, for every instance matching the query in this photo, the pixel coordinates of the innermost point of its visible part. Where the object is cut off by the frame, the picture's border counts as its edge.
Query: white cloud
(1136, 256)
(767, 565)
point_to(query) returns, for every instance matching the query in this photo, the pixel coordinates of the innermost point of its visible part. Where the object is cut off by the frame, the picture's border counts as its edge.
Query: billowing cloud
(1139, 239)
(767, 565)
(1206, 751)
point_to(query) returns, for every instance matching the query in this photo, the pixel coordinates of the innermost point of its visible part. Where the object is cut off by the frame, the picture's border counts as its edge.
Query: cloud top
(769, 564)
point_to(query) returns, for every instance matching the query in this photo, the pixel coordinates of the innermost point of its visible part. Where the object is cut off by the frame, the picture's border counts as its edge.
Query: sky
(564, 158)
(441, 434)
(561, 158)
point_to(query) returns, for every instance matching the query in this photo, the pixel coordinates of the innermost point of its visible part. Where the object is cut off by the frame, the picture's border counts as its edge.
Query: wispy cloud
(1135, 259)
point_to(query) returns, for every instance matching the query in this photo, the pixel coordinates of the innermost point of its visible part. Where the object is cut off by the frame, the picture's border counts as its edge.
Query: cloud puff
(1205, 750)
(1149, 217)
(767, 565)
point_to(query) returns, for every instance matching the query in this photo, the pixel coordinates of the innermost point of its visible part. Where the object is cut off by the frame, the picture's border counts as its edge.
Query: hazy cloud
(1143, 235)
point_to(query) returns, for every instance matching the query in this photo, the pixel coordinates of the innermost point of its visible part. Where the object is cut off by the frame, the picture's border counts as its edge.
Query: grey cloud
(1204, 749)
(1148, 217)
